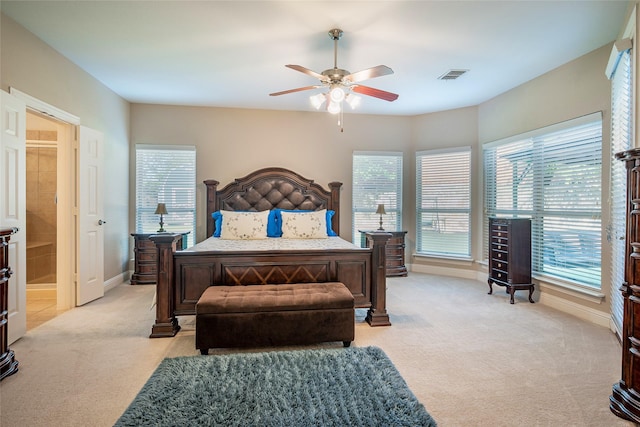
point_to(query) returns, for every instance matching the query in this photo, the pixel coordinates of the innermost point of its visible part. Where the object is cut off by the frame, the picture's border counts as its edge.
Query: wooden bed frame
(182, 276)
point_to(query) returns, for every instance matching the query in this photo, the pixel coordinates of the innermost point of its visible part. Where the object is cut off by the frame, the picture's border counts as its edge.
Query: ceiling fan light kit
(341, 84)
(353, 100)
(317, 100)
(337, 94)
(334, 108)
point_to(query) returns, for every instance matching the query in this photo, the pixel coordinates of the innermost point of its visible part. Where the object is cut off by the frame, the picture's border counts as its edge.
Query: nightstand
(144, 251)
(394, 253)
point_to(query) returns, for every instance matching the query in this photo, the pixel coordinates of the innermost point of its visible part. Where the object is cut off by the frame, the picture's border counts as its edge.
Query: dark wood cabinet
(144, 252)
(625, 399)
(394, 252)
(8, 362)
(510, 255)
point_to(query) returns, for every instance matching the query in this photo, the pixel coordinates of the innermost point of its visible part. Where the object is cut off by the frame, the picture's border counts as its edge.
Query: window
(443, 202)
(553, 176)
(166, 174)
(377, 179)
(621, 122)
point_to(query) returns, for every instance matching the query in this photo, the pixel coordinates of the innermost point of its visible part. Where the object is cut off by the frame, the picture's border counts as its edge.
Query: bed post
(377, 314)
(212, 187)
(335, 205)
(166, 324)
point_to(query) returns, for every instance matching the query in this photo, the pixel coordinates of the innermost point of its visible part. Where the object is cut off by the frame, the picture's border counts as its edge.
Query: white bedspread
(271, 244)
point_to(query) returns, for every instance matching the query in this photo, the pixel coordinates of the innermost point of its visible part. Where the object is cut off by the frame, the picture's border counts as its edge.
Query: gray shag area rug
(327, 387)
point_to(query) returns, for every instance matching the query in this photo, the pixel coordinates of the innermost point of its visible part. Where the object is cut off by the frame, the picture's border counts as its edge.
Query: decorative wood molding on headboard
(212, 188)
(272, 188)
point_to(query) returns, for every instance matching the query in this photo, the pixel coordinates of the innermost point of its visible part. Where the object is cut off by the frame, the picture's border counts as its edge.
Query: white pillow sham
(304, 225)
(244, 225)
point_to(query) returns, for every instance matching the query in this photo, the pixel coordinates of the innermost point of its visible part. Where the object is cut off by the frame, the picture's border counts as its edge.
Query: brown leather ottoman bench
(270, 315)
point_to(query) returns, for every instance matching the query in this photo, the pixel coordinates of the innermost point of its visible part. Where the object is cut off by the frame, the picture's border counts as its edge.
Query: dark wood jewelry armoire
(510, 255)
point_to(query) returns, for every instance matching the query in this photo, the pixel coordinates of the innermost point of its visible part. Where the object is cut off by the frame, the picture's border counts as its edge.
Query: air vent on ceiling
(452, 74)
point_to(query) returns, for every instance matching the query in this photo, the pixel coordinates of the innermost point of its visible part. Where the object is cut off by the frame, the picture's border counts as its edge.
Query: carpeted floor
(470, 358)
(296, 388)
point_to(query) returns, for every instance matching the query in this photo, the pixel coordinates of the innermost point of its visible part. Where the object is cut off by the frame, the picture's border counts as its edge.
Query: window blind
(377, 179)
(621, 131)
(553, 177)
(443, 202)
(166, 174)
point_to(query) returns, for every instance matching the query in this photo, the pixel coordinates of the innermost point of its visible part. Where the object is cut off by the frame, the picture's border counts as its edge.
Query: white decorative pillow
(244, 225)
(304, 225)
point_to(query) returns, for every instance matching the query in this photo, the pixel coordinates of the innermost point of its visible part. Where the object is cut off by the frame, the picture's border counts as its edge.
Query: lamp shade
(161, 209)
(381, 210)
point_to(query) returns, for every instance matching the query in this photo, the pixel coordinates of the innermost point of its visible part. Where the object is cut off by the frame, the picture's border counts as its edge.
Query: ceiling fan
(341, 83)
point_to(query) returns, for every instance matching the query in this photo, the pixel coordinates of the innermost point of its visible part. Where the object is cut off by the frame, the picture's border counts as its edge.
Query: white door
(90, 255)
(13, 207)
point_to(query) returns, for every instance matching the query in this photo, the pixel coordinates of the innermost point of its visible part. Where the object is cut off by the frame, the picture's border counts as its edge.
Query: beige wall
(575, 89)
(231, 143)
(31, 66)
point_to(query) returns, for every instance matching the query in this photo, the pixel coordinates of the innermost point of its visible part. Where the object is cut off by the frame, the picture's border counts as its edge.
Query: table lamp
(162, 210)
(380, 211)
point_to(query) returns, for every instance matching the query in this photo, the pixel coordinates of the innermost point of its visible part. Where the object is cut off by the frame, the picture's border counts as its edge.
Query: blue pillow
(273, 229)
(217, 220)
(329, 216)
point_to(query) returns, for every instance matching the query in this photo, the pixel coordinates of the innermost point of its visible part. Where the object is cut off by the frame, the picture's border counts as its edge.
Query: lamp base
(162, 230)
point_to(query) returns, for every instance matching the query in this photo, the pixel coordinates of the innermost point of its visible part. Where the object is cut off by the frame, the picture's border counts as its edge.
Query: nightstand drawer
(144, 252)
(146, 256)
(394, 251)
(145, 244)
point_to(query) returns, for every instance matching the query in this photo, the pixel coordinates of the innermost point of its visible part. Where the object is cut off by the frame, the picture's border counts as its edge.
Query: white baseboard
(444, 271)
(50, 289)
(116, 281)
(578, 310)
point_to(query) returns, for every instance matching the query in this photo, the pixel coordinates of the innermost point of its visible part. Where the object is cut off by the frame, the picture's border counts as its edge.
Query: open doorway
(44, 135)
(79, 259)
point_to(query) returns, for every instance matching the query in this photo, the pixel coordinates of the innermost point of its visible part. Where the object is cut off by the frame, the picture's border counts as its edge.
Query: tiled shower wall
(41, 214)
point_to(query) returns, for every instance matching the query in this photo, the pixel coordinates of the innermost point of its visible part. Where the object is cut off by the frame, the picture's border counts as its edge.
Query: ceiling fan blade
(376, 93)
(369, 73)
(284, 92)
(308, 72)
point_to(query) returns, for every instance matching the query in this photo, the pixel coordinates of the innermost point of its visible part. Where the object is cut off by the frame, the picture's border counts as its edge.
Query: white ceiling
(232, 53)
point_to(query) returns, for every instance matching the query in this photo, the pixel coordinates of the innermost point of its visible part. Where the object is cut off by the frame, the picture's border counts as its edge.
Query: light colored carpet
(472, 359)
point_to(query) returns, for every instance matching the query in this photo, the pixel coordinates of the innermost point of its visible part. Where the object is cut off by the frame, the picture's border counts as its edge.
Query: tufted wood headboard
(272, 188)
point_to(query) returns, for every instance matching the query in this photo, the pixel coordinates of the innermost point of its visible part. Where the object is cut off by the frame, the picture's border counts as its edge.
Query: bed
(183, 275)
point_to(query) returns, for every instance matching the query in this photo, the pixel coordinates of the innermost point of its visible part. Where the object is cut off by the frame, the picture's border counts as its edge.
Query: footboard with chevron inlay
(195, 273)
